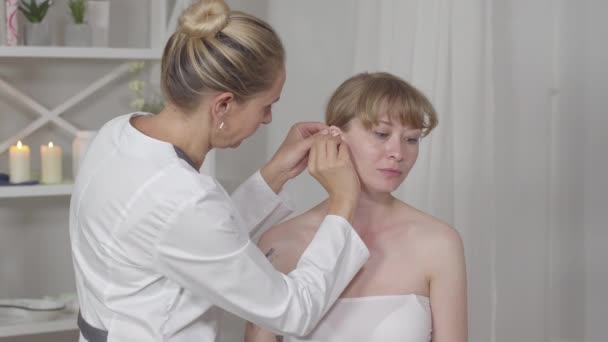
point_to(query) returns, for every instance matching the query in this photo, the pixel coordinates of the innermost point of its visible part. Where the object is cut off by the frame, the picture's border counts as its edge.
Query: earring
(221, 125)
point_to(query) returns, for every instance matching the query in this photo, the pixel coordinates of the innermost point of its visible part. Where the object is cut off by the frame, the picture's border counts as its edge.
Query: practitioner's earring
(221, 126)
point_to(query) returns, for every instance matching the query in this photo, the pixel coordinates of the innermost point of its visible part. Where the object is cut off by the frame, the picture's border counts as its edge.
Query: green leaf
(23, 10)
(27, 14)
(77, 9)
(33, 12)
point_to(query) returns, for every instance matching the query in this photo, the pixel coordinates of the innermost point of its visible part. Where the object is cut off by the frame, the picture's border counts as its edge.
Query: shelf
(15, 191)
(79, 52)
(66, 322)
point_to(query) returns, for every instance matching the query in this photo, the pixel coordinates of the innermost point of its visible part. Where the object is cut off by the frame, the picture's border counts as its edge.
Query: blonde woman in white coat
(159, 249)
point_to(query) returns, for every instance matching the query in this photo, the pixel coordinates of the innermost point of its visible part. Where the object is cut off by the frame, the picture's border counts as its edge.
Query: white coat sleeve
(259, 206)
(207, 251)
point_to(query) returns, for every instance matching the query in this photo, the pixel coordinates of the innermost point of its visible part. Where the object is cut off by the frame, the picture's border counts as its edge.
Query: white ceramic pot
(38, 34)
(77, 35)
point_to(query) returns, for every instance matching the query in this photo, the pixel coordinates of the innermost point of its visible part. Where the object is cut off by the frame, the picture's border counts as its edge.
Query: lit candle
(51, 171)
(19, 163)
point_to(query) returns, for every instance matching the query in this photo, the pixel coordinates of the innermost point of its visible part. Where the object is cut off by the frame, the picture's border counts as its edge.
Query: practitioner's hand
(292, 156)
(329, 162)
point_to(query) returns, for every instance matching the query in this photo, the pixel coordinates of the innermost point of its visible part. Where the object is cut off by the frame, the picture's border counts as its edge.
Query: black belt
(89, 332)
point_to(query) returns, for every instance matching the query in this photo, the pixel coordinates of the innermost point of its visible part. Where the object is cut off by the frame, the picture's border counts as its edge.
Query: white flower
(136, 66)
(138, 103)
(137, 85)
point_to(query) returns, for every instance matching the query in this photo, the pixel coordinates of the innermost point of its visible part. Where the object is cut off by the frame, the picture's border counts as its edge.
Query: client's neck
(372, 211)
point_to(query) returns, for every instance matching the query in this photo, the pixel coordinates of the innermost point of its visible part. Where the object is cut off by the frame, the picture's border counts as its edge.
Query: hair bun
(204, 18)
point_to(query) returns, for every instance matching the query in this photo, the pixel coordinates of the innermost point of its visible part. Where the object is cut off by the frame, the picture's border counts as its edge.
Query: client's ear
(336, 131)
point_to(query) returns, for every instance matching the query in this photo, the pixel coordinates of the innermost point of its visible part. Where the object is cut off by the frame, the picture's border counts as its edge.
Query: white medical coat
(159, 249)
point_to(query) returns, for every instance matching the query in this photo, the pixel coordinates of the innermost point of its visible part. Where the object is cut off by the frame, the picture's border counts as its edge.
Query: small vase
(38, 34)
(77, 35)
(98, 16)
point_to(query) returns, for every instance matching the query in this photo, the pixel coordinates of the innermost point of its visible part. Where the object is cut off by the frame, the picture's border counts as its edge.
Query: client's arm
(253, 333)
(283, 250)
(448, 288)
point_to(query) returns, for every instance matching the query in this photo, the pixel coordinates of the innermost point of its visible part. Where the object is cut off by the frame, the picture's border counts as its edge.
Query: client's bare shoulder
(432, 238)
(284, 243)
(424, 225)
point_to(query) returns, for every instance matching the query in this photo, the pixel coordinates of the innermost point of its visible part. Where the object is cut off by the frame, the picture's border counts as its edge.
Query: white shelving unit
(79, 53)
(65, 322)
(160, 24)
(18, 191)
(157, 37)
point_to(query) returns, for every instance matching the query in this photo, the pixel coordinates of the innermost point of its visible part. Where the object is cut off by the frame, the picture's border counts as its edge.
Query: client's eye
(381, 135)
(412, 141)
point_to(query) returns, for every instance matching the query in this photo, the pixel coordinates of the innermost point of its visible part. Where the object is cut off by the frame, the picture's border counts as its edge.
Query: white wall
(595, 74)
(319, 38)
(551, 281)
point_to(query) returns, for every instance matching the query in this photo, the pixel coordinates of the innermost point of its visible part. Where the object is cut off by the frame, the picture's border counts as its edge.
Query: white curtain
(518, 162)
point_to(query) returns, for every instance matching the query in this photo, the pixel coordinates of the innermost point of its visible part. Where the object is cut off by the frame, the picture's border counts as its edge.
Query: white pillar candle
(51, 171)
(79, 147)
(19, 163)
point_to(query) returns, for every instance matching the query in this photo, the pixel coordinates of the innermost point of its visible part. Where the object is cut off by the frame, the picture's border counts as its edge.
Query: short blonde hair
(368, 95)
(216, 49)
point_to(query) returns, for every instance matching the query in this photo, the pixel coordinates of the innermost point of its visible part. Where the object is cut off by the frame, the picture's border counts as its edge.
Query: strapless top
(394, 318)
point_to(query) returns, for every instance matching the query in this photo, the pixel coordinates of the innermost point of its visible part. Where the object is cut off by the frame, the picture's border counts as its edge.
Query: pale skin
(410, 251)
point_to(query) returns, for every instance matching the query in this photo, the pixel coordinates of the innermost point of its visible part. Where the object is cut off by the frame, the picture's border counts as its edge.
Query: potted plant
(77, 33)
(146, 99)
(37, 32)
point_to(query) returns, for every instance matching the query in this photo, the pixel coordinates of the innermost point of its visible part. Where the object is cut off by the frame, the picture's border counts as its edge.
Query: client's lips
(391, 172)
